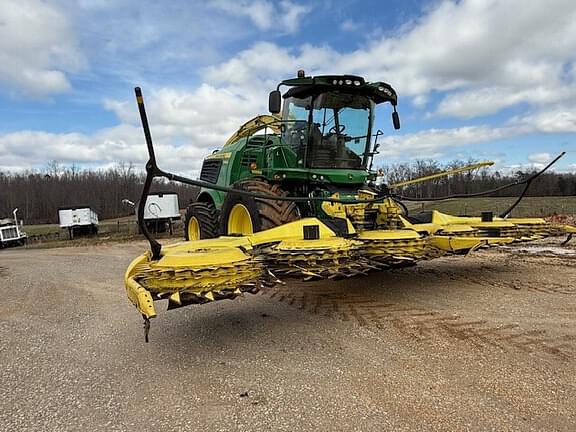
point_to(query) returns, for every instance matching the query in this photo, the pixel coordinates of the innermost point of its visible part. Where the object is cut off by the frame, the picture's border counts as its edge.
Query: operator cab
(327, 120)
(340, 124)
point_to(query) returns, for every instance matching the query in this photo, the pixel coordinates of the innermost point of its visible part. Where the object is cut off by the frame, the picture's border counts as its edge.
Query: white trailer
(10, 231)
(161, 210)
(162, 206)
(78, 220)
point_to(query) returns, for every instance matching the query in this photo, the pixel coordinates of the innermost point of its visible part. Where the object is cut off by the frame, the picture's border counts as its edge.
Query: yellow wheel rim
(193, 229)
(239, 221)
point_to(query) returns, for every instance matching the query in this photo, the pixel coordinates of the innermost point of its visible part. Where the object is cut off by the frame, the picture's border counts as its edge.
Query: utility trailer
(79, 220)
(160, 211)
(10, 232)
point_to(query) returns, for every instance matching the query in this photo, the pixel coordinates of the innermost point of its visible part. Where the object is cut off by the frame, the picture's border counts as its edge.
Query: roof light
(301, 73)
(349, 82)
(335, 82)
(356, 83)
(340, 82)
(385, 90)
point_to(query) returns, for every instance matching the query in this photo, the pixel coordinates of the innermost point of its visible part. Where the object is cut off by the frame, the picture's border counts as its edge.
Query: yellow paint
(441, 174)
(254, 125)
(239, 220)
(175, 297)
(219, 155)
(292, 230)
(231, 265)
(141, 298)
(193, 229)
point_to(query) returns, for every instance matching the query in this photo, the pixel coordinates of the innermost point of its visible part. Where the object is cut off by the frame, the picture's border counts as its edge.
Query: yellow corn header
(201, 271)
(338, 245)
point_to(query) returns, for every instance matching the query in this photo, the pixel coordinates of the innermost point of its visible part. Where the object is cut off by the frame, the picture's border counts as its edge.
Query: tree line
(39, 194)
(470, 182)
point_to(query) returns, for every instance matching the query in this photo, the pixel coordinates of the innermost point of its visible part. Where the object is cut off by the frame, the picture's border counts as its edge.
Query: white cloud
(185, 126)
(266, 15)
(32, 149)
(207, 115)
(489, 100)
(540, 158)
(261, 67)
(527, 167)
(37, 48)
(559, 120)
(433, 143)
(479, 47)
(479, 56)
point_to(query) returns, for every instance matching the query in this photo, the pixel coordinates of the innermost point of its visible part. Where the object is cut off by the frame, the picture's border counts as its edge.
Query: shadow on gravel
(363, 300)
(209, 329)
(387, 285)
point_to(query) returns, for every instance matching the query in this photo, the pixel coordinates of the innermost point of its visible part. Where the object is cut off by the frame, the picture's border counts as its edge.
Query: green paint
(325, 144)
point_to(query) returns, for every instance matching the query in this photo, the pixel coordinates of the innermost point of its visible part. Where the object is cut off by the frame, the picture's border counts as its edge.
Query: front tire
(242, 214)
(201, 221)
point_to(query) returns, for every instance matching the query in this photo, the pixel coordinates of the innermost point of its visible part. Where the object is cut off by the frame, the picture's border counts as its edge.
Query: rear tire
(262, 213)
(201, 221)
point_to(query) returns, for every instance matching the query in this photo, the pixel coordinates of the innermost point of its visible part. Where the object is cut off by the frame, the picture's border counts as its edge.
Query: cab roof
(303, 87)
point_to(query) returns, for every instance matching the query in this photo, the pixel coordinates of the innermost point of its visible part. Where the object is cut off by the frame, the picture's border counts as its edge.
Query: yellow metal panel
(201, 258)
(219, 155)
(388, 235)
(141, 298)
(292, 230)
(254, 125)
(175, 297)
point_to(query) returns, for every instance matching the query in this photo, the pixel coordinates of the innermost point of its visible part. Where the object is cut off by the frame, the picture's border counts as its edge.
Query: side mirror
(274, 102)
(396, 120)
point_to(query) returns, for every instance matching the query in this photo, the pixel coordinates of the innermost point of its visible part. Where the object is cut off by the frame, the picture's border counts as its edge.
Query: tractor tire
(256, 214)
(200, 221)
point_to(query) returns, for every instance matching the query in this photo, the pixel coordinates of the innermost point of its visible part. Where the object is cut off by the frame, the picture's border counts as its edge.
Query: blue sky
(476, 79)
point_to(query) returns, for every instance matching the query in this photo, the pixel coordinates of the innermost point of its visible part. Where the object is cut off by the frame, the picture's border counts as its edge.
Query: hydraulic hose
(526, 182)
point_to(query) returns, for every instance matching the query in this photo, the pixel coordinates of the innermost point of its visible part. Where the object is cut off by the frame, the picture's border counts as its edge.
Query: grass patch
(529, 206)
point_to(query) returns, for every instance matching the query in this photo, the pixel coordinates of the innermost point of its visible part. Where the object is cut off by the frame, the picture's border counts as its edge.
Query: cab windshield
(330, 130)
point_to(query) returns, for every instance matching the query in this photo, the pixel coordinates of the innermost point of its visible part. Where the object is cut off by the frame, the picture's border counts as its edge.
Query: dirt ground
(486, 342)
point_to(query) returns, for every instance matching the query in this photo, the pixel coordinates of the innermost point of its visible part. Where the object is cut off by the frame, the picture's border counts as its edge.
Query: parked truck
(79, 220)
(160, 212)
(11, 232)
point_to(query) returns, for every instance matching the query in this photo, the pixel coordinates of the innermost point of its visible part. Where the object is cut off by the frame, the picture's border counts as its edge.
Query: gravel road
(482, 343)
